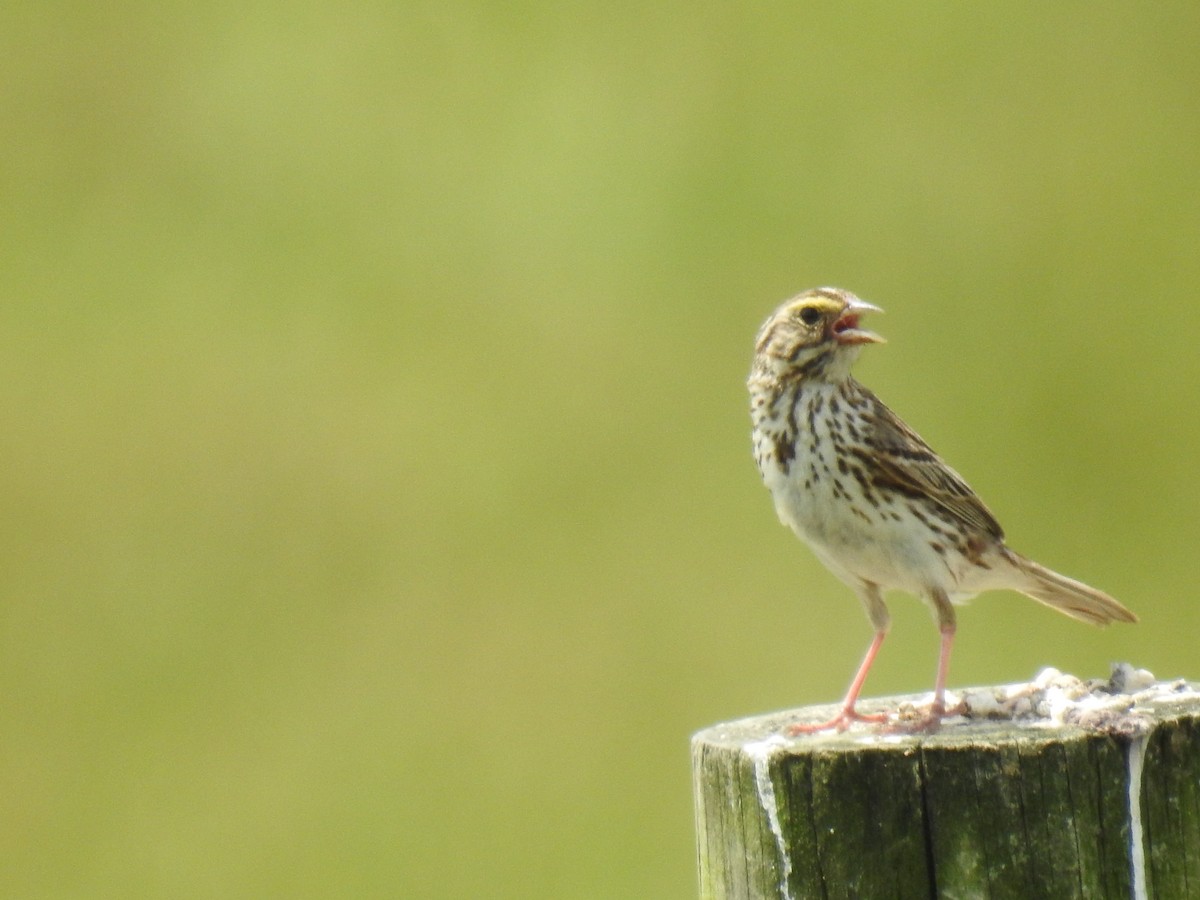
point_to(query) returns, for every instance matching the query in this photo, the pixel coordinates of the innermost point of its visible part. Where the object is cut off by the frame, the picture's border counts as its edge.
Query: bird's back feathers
(908, 464)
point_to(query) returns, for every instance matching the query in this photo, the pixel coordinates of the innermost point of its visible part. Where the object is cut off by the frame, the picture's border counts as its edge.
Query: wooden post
(1090, 793)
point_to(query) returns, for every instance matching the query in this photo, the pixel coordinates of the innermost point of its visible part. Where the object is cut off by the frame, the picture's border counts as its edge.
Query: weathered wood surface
(1092, 804)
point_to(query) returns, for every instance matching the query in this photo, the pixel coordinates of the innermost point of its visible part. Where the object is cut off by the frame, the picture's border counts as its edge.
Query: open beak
(845, 329)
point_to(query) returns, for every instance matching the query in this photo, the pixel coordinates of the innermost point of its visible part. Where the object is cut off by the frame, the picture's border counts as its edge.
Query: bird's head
(815, 334)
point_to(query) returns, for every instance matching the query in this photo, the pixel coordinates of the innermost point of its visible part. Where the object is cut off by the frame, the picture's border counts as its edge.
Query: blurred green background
(379, 518)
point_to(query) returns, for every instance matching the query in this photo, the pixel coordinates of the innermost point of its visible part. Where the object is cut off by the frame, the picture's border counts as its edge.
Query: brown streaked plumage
(874, 502)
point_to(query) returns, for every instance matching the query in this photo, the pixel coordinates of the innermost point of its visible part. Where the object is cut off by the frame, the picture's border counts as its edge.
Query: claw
(838, 723)
(930, 721)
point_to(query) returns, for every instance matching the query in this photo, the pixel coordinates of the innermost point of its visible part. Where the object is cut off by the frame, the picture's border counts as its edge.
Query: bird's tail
(1068, 596)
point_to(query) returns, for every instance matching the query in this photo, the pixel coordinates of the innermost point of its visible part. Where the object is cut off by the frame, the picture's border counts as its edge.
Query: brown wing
(906, 463)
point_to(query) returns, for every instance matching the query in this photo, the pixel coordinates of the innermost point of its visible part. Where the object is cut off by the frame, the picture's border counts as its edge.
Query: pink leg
(848, 713)
(939, 684)
(932, 720)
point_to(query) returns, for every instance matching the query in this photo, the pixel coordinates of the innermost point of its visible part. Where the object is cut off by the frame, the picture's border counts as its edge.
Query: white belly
(888, 553)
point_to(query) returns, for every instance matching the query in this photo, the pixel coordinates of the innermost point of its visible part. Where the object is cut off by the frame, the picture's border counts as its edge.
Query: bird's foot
(927, 721)
(838, 723)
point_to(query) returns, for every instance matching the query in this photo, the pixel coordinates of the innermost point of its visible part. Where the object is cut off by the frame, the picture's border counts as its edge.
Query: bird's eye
(810, 315)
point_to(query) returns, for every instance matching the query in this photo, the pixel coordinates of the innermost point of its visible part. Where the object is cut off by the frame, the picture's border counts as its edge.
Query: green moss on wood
(993, 810)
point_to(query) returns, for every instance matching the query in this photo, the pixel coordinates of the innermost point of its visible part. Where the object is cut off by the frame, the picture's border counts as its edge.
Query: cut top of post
(1061, 788)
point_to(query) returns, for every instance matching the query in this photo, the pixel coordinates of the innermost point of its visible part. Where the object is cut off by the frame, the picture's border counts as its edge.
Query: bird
(877, 506)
